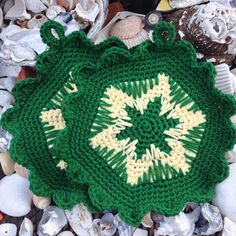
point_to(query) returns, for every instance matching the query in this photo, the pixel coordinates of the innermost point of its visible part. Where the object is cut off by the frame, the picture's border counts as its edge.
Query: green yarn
(128, 130)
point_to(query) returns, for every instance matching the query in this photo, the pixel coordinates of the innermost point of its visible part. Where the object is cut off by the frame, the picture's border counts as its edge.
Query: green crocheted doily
(147, 129)
(36, 118)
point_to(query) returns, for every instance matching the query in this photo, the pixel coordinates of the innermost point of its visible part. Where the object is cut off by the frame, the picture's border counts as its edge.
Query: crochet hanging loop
(164, 34)
(52, 33)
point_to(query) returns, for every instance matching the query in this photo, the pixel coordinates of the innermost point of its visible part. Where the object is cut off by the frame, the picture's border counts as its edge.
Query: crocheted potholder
(36, 116)
(147, 130)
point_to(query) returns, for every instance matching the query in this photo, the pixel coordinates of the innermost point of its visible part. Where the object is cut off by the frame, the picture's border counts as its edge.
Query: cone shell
(127, 28)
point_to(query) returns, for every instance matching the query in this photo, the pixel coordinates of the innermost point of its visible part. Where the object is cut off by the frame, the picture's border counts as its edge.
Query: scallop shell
(185, 3)
(127, 28)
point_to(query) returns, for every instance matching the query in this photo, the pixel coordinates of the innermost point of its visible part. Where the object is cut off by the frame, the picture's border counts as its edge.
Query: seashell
(127, 28)
(18, 11)
(5, 138)
(7, 164)
(147, 221)
(185, 3)
(87, 10)
(100, 19)
(105, 226)
(8, 82)
(208, 26)
(7, 6)
(229, 227)
(41, 202)
(225, 193)
(6, 97)
(210, 220)
(8, 229)
(123, 228)
(80, 219)
(19, 53)
(36, 21)
(140, 232)
(53, 11)
(64, 17)
(182, 224)
(52, 222)
(66, 233)
(164, 6)
(21, 171)
(1, 18)
(231, 155)
(15, 196)
(35, 6)
(68, 4)
(26, 228)
(223, 79)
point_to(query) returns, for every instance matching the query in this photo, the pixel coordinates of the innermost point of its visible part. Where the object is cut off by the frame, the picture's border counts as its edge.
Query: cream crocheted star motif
(147, 129)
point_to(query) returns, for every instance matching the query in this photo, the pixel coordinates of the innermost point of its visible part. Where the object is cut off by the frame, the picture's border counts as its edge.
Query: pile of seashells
(209, 25)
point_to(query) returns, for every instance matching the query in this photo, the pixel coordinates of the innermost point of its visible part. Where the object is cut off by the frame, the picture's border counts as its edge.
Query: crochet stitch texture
(36, 116)
(147, 129)
(128, 130)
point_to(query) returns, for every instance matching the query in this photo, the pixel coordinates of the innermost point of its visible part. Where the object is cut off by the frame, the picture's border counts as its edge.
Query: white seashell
(66, 233)
(72, 26)
(1, 18)
(8, 229)
(21, 171)
(18, 11)
(35, 6)
(15, 196)
(140, 232)
(104, 226)
(100, 19)
(26, 228)
(87, 10)
(53, 11)
(20, 53)
(6, 97)
(123, 228)
(80, 219)
(210, 220)
(7, 164)
(185, 3)
(229, 227)
(41, 202)
(52, 222)
(223, 79)
(7, 6)
(181, 225)
(225, 193)
(8, 82)
(36, 21)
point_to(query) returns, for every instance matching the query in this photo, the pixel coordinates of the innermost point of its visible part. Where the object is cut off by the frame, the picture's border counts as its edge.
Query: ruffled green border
(177, 59)
(29, 146)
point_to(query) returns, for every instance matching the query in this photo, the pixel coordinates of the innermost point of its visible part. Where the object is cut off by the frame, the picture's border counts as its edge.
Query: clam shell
(41, 202)
(185, 3)
(87, 10)
(26, 228)
(7, 164)
(15, 196)
(127, 28)
(8, 229)
(35, 6)
(18, 11)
